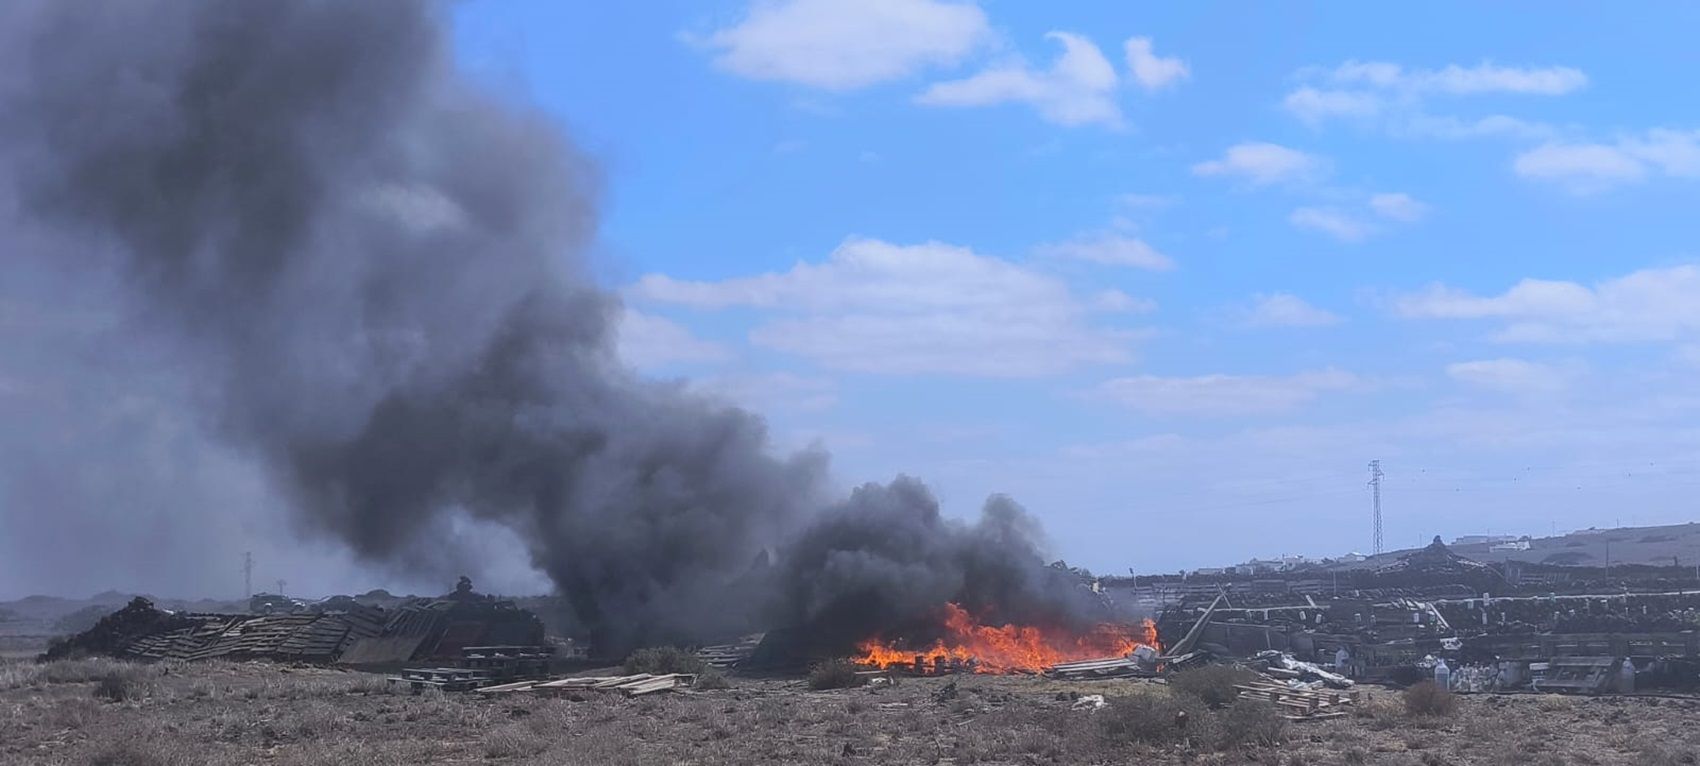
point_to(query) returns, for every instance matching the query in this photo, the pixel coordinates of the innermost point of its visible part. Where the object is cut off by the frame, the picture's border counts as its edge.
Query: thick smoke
(885, 561)
(376, 273)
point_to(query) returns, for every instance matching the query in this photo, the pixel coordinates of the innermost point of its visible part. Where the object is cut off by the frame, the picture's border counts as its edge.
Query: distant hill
(1672, 545)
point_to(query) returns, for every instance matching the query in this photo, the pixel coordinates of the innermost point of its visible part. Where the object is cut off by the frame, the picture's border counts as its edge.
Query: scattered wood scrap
(1299, 704)
(635, 685)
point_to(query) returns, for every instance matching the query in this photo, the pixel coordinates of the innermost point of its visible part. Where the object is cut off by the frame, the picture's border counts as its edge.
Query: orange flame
(1010, 648)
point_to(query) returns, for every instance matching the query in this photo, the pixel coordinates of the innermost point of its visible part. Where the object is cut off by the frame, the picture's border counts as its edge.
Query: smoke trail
(375, 271)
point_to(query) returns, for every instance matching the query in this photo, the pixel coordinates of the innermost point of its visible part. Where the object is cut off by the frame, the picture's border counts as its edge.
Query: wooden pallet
(1299, 704)
(635, 685)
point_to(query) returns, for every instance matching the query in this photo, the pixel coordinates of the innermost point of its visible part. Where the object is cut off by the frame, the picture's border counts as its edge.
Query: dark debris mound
(115, 631)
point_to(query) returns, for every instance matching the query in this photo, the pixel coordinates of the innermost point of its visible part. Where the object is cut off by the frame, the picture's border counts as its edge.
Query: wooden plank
(619, 680)
(517, 686)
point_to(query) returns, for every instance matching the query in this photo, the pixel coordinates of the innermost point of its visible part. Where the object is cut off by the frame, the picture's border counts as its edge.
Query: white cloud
(1589, 167)
(1078, 89)
(1287, 310)
(1111, 250)
(1461, 81)
(1649, 305)
(1313, 105)
(1120, 302)
(878, 307)
(1331, 221)
(1149, 70)
(1261, 163)
(845, 45)
(1398, 206)
(1134, 201)
(1224, 395)
(1396, 96)
(1455, 128)
(1515, 376)
(648, 342)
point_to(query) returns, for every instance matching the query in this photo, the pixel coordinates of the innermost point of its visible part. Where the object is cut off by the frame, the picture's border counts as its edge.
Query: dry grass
(121, 684)
(1253, 723)
(14, 675)
(204, 715)
(1427, 698)
(1213, 684)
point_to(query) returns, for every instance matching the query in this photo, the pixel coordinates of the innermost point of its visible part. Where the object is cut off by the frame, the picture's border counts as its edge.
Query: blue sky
(1171, 275)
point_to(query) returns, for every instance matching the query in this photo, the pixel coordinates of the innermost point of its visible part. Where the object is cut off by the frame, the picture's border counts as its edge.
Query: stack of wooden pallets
(1299, 704)
(1107, 667)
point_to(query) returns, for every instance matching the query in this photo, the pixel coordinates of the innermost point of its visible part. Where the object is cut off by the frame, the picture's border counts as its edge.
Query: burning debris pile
(971, 646)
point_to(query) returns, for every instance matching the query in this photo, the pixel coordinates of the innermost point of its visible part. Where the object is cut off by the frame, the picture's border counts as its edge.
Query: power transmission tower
(248, 574)
(1375, 475)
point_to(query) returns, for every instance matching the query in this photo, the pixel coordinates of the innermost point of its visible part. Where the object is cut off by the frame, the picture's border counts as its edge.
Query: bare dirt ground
(112, 714)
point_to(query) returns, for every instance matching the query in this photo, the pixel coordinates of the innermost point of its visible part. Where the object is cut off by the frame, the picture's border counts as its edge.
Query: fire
(1010, 648)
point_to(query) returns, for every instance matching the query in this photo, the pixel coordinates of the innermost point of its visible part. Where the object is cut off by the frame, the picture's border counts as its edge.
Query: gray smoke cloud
(372, 276)
(885, 560)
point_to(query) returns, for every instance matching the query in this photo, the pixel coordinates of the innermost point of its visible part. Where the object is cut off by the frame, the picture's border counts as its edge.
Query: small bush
(835, 674)
(711, 678)
(120, 685)
(513, 742)
(660, 660)
(1152, 719)
(1252, 722)
(1213, 684)
(1427, 698)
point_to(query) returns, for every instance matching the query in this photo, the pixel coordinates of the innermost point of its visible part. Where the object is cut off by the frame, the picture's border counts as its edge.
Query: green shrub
(1213, 684)
(835, 674)
(660, 660)
(1428, 698)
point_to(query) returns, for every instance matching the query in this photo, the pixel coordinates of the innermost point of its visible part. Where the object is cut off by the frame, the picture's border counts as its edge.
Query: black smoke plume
(376, 271)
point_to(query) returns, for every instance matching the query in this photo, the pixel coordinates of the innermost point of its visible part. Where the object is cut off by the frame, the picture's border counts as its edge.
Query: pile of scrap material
(635, 685)
(346, 633)
(1436, 561)
(1297, 703)
(115, 632)
(141, 632)
(1282, 665)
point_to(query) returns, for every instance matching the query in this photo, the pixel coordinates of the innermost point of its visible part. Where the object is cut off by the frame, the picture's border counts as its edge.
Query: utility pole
(248, 574)
(1375, 475)
(280, 585)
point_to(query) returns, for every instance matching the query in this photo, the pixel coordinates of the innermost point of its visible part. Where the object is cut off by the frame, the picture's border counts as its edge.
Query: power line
(1375, 475)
